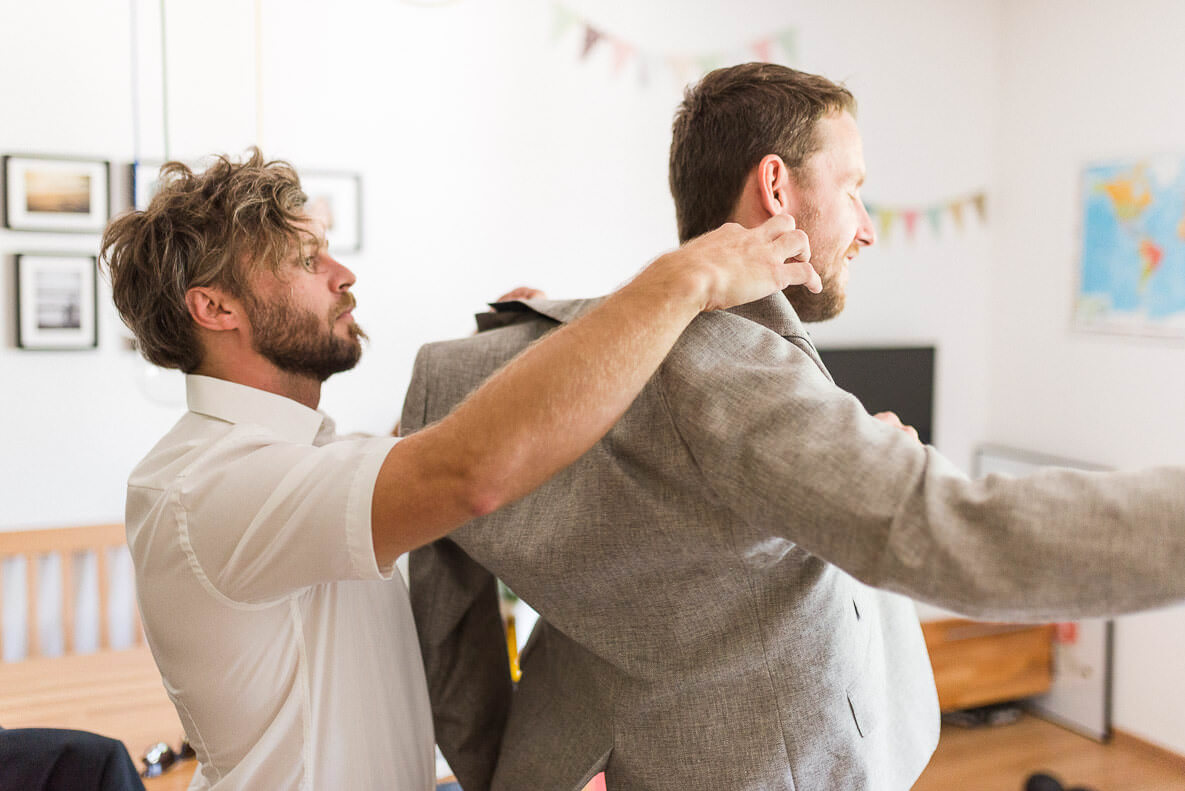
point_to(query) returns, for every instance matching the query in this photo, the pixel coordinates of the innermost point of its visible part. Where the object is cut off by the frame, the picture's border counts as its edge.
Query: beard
(298, 342)
(827, 304)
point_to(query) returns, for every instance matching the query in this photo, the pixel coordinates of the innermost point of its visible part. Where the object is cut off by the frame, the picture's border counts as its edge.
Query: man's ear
(213, 309)
(773, 182)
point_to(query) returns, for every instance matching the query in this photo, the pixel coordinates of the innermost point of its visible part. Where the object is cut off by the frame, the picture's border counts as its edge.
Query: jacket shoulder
(446, 371)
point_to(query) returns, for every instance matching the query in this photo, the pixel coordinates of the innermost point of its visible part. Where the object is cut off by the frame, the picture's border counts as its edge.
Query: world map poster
(1132, 277)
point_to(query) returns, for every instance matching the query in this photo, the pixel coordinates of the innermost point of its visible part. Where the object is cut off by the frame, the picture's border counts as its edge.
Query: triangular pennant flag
(763, 48)
(886, 217)
(707, 63)
(644, 67)
(591, 37)
(980, 202)
(562, 21)
(956, 213)
(788, 41)
(934, 215)
(622, 50)
(910, 216)
(681, 67)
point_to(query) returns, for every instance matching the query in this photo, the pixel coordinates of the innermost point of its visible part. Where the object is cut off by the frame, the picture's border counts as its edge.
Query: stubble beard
(298, 342)
(827, 304)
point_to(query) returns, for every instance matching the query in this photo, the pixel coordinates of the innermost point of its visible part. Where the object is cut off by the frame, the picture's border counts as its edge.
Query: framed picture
(1080, 698)
(336, 198)
(55, 194)
(1131, 269)
(144, 178)
(56, 302)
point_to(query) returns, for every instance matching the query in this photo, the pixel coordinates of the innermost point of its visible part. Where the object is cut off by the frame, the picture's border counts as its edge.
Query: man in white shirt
(264, 544)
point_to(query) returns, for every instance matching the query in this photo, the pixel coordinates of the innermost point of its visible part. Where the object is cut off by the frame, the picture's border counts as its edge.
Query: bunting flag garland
(887, 217)
(780, 46)
(562, 22)
(591, 37)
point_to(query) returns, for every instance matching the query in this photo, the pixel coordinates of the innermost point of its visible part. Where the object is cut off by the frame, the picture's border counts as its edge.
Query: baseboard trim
(1133, 742)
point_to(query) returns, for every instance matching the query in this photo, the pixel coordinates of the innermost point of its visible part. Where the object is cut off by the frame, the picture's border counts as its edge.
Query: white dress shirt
(290, 655)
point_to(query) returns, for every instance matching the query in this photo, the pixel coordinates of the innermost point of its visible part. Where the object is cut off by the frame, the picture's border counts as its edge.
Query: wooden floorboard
(1002, 758)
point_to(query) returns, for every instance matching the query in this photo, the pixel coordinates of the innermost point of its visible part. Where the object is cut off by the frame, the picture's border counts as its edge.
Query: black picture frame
(56, 194)
(57, 305)
(143, 183)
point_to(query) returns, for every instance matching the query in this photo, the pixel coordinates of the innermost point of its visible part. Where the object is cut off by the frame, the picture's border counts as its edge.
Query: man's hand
(740, 265)
(891, 419)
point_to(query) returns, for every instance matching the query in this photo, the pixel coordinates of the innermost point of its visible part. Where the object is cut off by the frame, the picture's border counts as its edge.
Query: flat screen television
(889, 379)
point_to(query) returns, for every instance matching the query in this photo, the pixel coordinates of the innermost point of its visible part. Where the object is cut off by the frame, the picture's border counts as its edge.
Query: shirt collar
(236, 403)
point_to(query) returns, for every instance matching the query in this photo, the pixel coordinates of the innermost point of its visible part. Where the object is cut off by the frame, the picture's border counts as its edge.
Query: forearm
(536, 415)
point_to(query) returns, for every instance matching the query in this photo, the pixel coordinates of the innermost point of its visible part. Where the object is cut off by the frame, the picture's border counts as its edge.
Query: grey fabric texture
(719, 577)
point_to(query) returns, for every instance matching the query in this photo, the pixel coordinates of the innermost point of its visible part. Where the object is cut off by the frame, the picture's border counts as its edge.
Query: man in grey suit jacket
(718, 578)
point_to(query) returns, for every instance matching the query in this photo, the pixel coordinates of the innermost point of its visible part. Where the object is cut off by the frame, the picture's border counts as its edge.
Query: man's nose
(866, 232)
(342, 277)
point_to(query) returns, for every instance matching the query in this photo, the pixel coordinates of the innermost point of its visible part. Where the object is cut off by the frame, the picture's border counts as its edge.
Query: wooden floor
(1002, 758)
(995, 759)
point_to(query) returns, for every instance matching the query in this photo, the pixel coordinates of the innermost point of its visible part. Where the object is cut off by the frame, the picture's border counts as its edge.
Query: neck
(748, 212)
(262, 375)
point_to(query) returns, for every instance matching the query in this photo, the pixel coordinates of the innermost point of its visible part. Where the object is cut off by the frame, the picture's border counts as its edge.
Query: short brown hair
(731, 119)
(212, 228)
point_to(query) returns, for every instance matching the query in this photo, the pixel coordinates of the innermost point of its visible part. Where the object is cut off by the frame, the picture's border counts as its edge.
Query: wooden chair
(115, 692)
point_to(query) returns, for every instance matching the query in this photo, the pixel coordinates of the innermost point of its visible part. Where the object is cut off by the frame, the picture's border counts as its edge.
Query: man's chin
(812, 308)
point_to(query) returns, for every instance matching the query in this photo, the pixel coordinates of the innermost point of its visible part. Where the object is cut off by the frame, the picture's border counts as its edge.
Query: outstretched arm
(556, 399)
(796, 458)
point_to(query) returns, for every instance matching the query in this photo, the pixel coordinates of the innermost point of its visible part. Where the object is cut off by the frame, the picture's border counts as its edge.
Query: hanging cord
(135, 64)
(164, 81)
(259, 73)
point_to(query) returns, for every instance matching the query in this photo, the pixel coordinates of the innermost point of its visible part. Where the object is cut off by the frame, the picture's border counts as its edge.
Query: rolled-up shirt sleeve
(259, 519)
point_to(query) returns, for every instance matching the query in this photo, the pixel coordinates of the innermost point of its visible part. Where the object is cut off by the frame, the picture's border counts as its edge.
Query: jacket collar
(236, 403)
(503, 314)
(773, 312)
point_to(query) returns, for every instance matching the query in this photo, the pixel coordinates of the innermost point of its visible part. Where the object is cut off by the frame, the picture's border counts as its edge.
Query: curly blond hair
(213, 228)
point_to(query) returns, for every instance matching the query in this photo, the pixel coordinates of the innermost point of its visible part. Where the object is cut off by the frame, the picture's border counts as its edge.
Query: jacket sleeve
(455, 603)
(794, 456)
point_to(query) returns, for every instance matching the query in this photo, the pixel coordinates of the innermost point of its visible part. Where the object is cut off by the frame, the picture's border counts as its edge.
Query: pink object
(597, 783)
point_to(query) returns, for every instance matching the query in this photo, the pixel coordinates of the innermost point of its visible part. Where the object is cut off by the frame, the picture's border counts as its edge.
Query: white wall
(1084, 81)
(492, 156)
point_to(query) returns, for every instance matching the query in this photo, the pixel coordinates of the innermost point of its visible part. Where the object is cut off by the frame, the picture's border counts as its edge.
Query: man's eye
(309, 263)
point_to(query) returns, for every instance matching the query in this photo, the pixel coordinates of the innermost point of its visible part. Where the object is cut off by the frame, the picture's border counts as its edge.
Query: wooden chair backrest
(67, 543)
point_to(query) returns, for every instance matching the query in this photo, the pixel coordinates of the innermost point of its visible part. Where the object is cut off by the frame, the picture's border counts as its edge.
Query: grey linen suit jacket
(716, 577)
